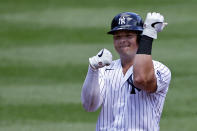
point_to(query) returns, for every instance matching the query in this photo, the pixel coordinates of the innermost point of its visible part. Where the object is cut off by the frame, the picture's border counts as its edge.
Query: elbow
(89, 107)
(139, 82)
(149, 85)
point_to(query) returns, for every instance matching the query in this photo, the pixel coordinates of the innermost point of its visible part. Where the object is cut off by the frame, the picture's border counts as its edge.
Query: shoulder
(160, 66)
(163, 76)
(161, 70)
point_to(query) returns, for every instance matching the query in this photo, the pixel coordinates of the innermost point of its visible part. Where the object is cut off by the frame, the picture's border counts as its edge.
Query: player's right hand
(103, 58)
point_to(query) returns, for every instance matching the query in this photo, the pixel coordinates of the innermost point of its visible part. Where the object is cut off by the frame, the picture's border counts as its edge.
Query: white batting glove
(154, 23)
(103, 58)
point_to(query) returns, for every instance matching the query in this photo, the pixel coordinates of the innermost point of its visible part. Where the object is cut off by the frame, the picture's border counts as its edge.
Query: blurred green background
(44, 51)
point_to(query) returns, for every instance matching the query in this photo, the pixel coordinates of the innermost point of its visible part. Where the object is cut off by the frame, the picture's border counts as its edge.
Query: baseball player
(131, 90)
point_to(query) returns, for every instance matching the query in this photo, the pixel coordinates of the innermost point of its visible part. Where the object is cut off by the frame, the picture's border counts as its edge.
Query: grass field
(44, 51)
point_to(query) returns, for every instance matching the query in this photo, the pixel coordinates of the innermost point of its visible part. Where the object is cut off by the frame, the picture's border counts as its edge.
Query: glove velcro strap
(151, 32)
(145, 45)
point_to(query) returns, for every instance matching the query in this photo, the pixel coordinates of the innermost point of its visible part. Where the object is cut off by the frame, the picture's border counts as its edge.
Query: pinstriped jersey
(126, 108)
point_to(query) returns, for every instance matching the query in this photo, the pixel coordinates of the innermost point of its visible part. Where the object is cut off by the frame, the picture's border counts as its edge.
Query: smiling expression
(125, 43)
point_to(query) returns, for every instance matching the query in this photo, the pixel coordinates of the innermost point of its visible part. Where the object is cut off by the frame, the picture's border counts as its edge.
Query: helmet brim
(138, 29)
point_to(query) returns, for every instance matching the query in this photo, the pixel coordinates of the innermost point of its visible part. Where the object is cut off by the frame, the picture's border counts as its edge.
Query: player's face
(125, 43)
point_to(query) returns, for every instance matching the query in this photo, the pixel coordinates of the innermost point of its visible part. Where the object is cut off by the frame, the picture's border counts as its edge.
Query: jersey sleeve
(102, 81)
(163, 76)
(92, 90)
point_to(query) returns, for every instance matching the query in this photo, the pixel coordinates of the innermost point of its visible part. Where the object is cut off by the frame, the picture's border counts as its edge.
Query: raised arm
(143, 69)
(91, 96)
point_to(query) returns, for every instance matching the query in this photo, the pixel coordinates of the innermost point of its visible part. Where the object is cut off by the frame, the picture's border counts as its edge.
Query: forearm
(143, 69)
(90, 95)
(143, 73)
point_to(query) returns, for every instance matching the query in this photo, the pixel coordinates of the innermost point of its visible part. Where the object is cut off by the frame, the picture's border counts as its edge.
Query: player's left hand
(154, 23)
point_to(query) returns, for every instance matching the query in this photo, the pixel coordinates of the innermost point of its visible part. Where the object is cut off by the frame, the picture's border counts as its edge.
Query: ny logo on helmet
(122, 20)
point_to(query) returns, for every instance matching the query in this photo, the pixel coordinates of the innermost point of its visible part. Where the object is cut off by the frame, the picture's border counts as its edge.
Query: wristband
(145, 45)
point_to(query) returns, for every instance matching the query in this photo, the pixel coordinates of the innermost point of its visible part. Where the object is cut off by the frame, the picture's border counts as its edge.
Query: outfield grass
(44, 51)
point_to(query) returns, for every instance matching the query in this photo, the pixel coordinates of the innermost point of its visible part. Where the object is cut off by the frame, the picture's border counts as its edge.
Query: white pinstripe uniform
(127, 110)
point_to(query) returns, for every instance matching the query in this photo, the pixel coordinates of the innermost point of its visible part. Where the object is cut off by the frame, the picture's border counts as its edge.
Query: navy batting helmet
(126, 21)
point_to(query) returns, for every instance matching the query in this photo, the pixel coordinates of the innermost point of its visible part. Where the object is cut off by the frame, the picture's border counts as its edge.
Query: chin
(127, 53)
